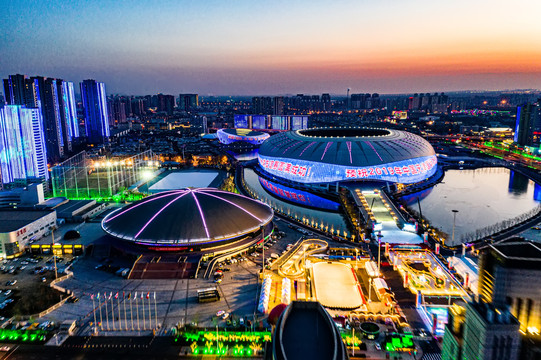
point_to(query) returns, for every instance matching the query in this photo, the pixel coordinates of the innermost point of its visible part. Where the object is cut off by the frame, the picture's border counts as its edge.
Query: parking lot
(24, 284)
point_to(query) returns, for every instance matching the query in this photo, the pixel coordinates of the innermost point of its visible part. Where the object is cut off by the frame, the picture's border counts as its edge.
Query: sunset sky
(271, 47)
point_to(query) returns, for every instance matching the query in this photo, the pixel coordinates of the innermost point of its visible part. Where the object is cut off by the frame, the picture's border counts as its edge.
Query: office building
(510, 276)
(278, 106)
(166, 103)
(480, 331)
(23, 155)
(19, 227)
(188, 102)
(528, 125)
(262, 105)
(95, 111)
(56, 100)
(326, 102)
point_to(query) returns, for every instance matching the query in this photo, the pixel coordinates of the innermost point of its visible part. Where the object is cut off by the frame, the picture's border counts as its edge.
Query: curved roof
(244, 132)
(187, 215)
(348, 147)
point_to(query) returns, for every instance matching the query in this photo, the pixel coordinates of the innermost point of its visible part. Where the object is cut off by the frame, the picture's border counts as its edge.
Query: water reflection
(518, 183)
(329, 221)
(483, 197)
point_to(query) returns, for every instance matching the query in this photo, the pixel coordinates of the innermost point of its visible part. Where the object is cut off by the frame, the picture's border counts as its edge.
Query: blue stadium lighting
(229, 136)
(335, 154)
(298, 196)
(309, 172)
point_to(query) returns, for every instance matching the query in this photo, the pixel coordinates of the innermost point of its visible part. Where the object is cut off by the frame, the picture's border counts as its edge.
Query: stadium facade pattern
(228, 136)
(329, 155)
(200, 218)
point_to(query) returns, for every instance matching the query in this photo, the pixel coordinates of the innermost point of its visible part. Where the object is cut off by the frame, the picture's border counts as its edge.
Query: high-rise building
(510, 276)
(23, 154)
(480, 331)
(326, 102)
(56, 100)
(188, 102)
(166, 103)
(68, 113)
(528, 125)
(262, 105)
(278, 105)
(95, 111)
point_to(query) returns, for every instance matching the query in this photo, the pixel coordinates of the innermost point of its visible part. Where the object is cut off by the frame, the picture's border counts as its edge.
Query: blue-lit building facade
(55, 99)
(95, 111)
(274, 122)
(323, 156)
(229, 136)
(23, 154)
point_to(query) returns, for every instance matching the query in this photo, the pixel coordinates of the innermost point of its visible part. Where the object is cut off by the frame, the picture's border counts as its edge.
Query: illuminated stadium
(229, 136)
(329, 155)
(197, 219)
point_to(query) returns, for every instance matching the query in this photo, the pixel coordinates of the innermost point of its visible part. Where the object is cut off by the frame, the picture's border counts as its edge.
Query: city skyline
(276, 48)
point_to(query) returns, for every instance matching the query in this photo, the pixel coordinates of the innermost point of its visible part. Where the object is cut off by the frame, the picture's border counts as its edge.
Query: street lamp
(454, 222)
(52, 228)
(379, 251)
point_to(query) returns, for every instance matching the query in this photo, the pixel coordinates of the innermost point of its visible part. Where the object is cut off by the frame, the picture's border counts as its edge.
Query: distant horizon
(256, 47)
(288, 94)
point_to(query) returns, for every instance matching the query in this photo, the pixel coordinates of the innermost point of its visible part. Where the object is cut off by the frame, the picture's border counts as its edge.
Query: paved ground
(176, 300)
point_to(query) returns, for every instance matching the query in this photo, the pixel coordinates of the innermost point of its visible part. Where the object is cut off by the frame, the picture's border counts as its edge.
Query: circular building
(335, 154)
(229, 136)
(197, 218)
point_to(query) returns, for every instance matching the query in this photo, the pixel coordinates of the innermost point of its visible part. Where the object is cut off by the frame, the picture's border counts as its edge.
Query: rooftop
(11, 220)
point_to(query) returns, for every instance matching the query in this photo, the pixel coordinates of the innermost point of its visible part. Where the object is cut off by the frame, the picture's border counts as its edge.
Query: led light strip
(326, 148)
(158, 213)
(201, 213)
(370, 144)
(172, 192)
(232, 203)
(348, 143)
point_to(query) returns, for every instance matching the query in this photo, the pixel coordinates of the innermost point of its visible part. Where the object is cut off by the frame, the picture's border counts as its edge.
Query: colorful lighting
(158, 213)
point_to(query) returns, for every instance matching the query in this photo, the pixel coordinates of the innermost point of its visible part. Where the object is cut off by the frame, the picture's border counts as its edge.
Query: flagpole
(106, 312)
(143, 306)
(99, 305)
(119, 316)
(131, 310)
(112, 310)
(137, 311)
(125, 314)
(155, 311)
(149, 312)
(94, 307)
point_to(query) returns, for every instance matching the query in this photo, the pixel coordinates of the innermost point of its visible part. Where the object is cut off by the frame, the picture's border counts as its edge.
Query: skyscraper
(23, 155)
(278, 105)
(95, 111)
(188, 102)
(510, 276)
(528, 125)
(56, 100)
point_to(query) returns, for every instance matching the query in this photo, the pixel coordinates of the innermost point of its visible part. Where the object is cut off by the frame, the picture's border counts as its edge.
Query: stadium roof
(244, 132)
(347, 146)
(188, 215)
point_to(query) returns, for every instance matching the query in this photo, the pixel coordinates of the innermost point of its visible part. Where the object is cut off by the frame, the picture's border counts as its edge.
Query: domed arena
(199, 218)
(229, 136)
(328, 155)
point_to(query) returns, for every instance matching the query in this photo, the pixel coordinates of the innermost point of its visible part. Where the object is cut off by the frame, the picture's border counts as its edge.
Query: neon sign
(285, 167)
(299, 196)
(405, 171)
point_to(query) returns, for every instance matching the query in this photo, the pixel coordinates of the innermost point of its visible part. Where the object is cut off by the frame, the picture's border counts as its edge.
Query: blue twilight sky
(276, 47)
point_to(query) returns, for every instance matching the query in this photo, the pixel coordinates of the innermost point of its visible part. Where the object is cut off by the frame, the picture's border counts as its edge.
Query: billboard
(243, 121)
(406, 171)
(259, 122)
(299, 122)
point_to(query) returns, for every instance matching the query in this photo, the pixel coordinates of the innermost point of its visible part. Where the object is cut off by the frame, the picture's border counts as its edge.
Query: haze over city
(276, 47)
